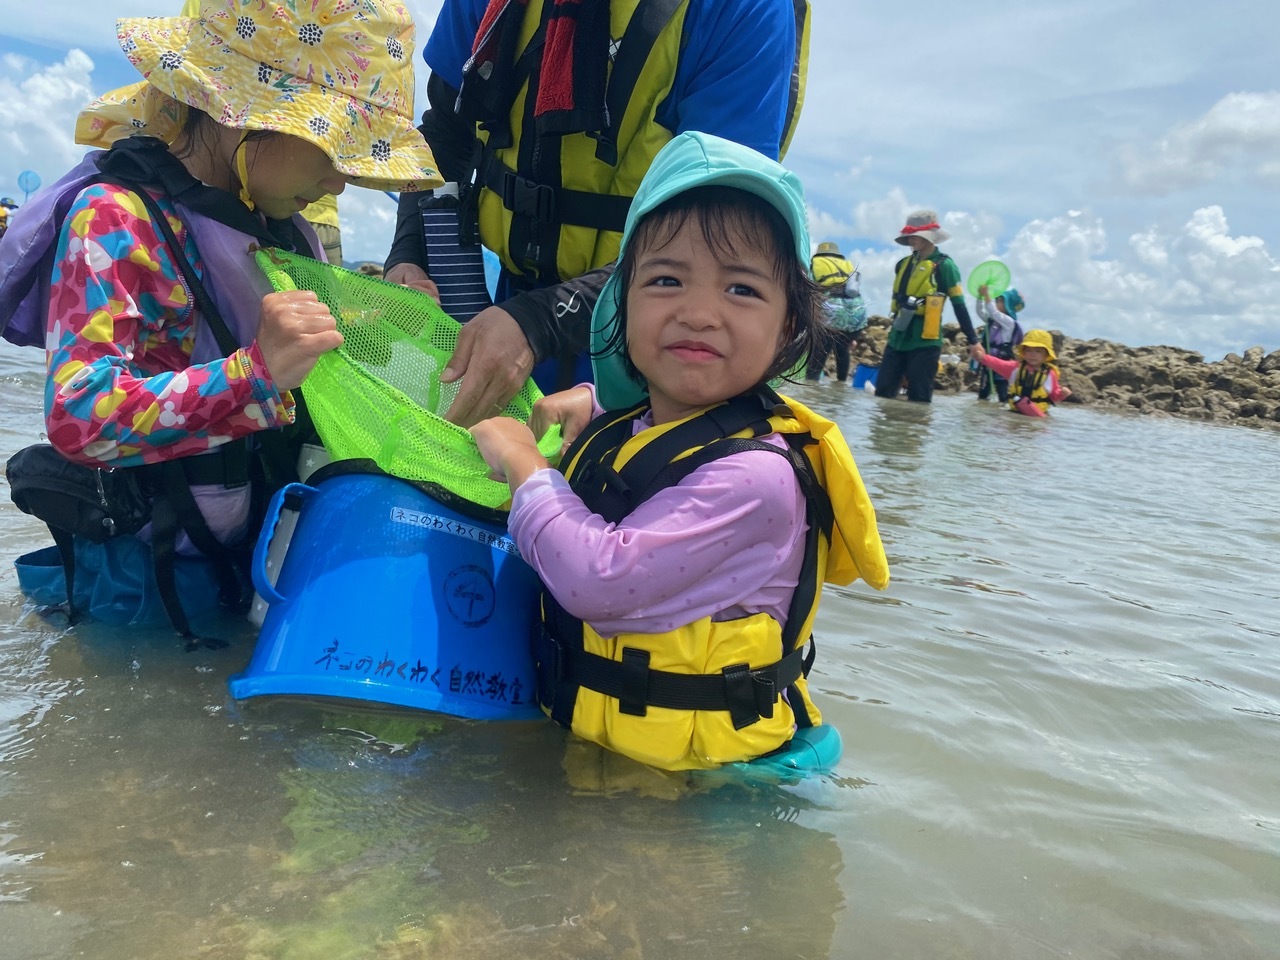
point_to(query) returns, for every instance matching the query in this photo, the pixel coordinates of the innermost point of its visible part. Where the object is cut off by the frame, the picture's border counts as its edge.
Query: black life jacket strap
(748, 695)
(615, 493)
(552, 206)
(647, 22)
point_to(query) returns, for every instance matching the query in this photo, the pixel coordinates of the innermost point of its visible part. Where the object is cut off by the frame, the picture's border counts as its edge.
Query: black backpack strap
(174, 509)
(65, 543)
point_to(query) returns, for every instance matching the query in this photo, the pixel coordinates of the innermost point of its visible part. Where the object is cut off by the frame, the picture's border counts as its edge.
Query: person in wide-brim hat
(924, 224)
(335, 74)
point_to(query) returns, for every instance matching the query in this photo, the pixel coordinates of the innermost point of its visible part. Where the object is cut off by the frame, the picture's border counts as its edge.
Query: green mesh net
(379, 397)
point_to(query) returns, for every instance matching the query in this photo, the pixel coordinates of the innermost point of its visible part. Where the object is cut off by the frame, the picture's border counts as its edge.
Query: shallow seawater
(1061, 724)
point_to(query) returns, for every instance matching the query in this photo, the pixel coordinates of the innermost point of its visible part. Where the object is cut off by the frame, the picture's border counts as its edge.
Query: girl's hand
(976, 352)
(570, 408)
(295, 328)
(1064, 392)
(508, 447)
(982, 293)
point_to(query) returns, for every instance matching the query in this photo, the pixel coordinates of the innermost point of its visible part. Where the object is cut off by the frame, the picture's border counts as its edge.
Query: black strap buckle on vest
(528, 199)
(746, 694)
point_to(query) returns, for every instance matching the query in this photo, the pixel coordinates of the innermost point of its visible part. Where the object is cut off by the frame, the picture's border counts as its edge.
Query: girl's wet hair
(729, 216)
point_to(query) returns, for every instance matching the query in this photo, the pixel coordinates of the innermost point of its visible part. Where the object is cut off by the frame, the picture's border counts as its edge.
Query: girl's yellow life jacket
(708, 692)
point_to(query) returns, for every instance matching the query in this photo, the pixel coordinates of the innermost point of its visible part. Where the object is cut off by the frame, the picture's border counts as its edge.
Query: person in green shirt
(922, 282)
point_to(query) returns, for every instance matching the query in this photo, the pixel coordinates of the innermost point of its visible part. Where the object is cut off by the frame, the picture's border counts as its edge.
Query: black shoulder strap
(904, 278)
(647, 22)
(615, 493)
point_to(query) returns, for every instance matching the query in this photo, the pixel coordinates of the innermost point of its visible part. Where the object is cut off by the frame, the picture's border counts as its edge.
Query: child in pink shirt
(1033, 377)
(683, 548)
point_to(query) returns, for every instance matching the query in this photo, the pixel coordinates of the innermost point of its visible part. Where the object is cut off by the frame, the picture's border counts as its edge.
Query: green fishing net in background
(991, 274)
(379, 397)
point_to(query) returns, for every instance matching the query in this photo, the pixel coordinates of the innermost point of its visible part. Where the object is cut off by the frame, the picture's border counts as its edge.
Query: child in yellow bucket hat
(1034, 383)
(166, 347)
(336, 74)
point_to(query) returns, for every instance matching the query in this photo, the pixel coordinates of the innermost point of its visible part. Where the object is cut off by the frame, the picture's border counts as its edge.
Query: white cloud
(1240, 130)
(1196, 285)
(1107, 181)
(38, 107)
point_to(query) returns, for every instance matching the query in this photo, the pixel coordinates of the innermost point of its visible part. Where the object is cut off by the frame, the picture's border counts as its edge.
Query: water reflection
(898, 431)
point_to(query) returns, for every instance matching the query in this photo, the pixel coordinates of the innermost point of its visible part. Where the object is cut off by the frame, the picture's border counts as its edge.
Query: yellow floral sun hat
(336, 73)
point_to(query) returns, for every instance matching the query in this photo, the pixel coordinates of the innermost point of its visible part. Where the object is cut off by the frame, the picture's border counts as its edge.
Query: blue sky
(1122, 157)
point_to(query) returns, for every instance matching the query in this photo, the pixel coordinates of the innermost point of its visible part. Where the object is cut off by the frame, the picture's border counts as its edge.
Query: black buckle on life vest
(633, 675)
(528, 199)
(750, 696)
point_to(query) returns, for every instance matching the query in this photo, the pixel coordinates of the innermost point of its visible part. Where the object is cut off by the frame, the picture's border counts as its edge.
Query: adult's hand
(413, 276)
(493, 360)
(294, 329)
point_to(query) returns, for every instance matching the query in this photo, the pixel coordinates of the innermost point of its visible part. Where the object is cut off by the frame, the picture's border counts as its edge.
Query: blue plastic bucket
(863, 374)
(387, 595)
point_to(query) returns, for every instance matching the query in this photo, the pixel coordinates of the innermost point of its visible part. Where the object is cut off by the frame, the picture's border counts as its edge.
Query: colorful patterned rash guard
(122, 390)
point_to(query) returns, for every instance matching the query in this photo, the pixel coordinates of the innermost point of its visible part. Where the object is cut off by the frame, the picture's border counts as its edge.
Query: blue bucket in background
(385, 594)
(863, 374)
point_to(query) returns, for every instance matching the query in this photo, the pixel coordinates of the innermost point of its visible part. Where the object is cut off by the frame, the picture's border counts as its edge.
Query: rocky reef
(1157, 381)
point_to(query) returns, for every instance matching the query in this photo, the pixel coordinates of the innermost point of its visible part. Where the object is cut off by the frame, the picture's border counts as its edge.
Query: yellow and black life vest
(1030, 384)
(709, 692)
(914, 278)
(830, 271)
(554, 207)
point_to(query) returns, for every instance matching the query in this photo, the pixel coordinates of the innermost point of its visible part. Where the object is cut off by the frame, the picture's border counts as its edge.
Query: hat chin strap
(242, 172)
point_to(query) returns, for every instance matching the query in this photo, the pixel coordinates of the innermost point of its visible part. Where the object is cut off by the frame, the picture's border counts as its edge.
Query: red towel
(572, 71)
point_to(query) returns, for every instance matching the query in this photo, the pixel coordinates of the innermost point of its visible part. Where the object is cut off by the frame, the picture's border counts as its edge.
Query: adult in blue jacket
(554, 116)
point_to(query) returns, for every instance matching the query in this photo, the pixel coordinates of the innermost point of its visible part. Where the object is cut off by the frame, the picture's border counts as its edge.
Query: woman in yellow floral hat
(165, 347)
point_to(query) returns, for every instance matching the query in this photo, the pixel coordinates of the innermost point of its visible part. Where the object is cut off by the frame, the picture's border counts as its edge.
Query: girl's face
(287, 173)
(700, 329)
(1034, 356)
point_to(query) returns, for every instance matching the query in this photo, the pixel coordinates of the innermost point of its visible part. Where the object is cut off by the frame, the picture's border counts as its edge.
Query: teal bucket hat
(687, 161)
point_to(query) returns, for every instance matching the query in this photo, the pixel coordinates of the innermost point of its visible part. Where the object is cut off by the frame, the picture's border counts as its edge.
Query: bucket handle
(266, 589)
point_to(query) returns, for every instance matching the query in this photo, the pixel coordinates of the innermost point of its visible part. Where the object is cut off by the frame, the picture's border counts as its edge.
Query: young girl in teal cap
(683, 548)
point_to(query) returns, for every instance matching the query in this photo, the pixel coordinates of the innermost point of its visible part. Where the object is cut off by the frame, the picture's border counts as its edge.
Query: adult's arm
(949, 283)
(498, 347)
(115, 307)
(733, 79)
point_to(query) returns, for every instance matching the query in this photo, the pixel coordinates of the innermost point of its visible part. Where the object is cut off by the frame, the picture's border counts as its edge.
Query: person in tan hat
(846, 313)
(922, 283)
(166, 350)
